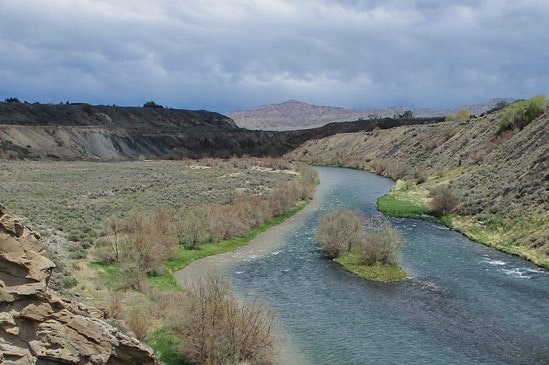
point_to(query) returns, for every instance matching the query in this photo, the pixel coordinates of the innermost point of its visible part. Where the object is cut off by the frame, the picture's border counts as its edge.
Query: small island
(367, 247)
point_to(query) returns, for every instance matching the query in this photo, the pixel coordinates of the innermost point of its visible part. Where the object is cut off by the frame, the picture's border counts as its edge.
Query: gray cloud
(227, 55)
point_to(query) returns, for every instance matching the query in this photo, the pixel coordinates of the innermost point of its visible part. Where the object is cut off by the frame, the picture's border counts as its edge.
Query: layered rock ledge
(39, 327)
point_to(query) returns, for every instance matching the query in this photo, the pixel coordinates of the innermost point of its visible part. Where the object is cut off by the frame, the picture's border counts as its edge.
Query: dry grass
(70, 200)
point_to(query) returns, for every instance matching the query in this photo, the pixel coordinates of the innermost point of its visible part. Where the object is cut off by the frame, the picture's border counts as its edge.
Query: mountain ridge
(293, 114)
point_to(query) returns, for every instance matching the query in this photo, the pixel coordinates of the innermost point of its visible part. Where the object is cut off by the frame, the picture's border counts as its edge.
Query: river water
(464, 303)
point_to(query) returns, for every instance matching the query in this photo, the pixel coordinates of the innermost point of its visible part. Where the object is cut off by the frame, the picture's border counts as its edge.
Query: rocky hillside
(83, 131)
(501, 179)
(292, 114)
(39, 327)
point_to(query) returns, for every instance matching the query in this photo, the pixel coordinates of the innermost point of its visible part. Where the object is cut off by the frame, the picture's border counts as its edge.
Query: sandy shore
(263, 244)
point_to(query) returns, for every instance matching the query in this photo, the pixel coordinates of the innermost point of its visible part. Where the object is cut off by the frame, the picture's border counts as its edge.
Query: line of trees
(142, 241)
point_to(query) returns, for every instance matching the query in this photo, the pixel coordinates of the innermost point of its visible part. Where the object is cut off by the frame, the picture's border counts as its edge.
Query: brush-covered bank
(496, 172)
(117, 230)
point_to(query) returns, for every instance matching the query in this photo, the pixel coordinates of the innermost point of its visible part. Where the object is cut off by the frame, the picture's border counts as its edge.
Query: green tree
(521, 113)
(152, 104)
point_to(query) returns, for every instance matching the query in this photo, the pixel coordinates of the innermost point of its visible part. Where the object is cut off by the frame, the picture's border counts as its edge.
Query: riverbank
(187, 271)
(498, 176)
(261, 244)
(413, 202)
(456, 287)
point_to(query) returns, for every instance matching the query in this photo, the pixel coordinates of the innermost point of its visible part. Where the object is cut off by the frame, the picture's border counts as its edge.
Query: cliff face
(88, 132)
(37, 327)
(84, 132)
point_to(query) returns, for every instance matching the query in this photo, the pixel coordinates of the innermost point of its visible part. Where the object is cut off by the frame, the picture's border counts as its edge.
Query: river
(463, 304)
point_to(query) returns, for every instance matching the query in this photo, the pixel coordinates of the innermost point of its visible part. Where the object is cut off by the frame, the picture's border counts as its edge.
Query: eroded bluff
(39, 327)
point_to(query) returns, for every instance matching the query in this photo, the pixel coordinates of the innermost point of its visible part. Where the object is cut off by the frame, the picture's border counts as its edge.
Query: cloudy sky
(238, 54)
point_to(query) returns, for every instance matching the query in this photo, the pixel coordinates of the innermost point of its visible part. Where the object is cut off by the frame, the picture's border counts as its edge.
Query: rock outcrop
(39, 327)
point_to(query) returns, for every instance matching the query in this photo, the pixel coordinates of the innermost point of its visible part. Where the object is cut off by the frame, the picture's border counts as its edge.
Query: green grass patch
(376, 272)
(111, 274)
(166, 347)
(164, 282)
(408, 203)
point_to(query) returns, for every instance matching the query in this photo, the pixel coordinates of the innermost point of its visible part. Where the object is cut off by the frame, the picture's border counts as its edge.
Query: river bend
(464, 303)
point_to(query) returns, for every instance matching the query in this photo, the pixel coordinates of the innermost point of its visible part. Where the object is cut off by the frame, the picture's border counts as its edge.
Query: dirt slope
(76, 132)
(501, 180)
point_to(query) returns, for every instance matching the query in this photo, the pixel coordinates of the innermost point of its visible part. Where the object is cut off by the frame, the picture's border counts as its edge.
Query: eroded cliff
(39, 327)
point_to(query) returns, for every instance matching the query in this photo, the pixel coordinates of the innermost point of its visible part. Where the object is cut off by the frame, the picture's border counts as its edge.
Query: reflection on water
(464, 303)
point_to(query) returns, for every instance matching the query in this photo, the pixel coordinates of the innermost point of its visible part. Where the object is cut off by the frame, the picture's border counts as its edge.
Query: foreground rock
(38, 327)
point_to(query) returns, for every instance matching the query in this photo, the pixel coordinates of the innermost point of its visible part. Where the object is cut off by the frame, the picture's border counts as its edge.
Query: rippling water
(464, 304)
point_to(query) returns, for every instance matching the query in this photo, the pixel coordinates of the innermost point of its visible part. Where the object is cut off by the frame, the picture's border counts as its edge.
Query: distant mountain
(83, 131)
(292, 114)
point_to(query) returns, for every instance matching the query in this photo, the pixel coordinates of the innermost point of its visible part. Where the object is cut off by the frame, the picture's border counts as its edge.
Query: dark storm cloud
(226, 55)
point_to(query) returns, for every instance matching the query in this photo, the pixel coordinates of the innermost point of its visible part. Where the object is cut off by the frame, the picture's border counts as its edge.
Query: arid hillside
(108, 133)
(500, 177)
(86, 132)
(293, 115)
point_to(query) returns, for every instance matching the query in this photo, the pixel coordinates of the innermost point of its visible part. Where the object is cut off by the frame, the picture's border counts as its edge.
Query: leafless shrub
(274, 163)
(338, 231)
(139, 323)
(107, 250)
(114, 306)
(381, 243)
(224, 224)
(103, 252)
(149, 240)
(396, 169)
(419, 175)
(216, 328)
(167, 305)
(379, 166)
(442, 200)
(193, 226)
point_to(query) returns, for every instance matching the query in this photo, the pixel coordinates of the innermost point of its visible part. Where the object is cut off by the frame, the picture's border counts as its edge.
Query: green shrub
(88, 109)
(152, 104)
(518, 115)
(76, 251)
(69, 282)
(461, 115)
